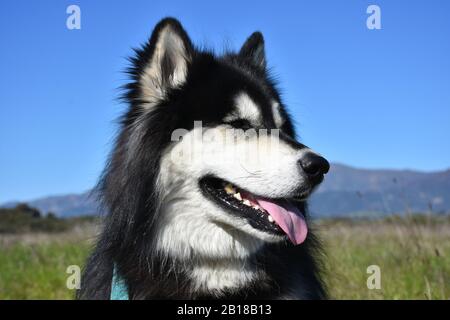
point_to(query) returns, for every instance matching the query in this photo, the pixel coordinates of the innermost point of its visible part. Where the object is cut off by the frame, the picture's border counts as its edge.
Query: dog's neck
(225, 275)
(201, 279)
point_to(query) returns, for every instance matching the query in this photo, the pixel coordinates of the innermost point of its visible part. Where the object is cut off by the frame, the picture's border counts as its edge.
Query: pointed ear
(253, 50)
(165, 60)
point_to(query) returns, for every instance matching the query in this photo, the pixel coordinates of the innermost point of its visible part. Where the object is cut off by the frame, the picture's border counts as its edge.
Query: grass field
(413, 256)
(33, 266)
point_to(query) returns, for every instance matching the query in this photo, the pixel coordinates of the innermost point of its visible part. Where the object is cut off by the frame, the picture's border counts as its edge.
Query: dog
(192, 217)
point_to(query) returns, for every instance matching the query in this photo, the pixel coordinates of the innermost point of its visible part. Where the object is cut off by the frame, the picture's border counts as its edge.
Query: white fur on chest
(216, 277)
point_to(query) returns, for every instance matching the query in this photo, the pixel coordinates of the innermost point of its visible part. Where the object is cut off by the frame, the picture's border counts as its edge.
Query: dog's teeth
(270, 218)
(238, 196)
(229, 189)
(256, 207)
(247, 203)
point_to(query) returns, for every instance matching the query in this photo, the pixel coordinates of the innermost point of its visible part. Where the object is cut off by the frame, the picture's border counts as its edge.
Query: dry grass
(414, 258)
(85, 232)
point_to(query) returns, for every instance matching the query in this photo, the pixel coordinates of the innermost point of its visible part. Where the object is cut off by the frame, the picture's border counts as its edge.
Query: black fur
(127, 186)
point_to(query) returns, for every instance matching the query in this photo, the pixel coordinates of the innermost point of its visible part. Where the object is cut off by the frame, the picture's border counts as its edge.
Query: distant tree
(24, 208)
(51, 215)
(24, 218)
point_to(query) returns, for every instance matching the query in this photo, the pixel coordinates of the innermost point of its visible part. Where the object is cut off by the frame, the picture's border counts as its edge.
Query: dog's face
(232, 177)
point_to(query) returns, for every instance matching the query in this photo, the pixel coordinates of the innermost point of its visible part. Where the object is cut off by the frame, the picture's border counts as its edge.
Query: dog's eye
(241, 124)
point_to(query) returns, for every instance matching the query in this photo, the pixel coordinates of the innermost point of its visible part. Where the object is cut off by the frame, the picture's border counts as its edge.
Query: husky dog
(191, 216)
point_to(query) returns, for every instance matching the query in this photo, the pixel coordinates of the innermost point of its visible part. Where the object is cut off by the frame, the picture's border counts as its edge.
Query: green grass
(414, 257)
(38, 271)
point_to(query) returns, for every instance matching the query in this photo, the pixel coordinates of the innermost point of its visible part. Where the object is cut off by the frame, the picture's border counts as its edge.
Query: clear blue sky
(368, 98)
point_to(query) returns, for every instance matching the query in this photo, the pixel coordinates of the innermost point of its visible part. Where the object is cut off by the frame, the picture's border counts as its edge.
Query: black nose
(314, 165)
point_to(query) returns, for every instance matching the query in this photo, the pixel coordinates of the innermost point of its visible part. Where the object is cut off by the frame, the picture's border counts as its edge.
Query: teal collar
(119, 290)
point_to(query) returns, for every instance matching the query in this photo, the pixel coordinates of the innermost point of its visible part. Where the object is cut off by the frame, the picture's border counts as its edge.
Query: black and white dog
(197, 210)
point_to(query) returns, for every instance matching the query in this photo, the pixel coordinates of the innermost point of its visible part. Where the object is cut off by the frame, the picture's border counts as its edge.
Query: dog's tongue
(289, 218)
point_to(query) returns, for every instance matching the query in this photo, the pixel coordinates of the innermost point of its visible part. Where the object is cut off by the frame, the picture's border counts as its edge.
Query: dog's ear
(253, 50)
(165, 60)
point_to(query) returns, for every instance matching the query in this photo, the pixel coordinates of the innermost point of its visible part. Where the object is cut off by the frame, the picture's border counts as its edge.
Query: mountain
(64, 205)
(351, 191)
(346, 191)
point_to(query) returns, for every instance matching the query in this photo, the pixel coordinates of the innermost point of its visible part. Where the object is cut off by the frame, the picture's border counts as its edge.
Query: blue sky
(368, 98)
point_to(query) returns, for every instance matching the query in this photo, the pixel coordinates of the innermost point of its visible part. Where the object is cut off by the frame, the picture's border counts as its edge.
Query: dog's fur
(166, 239)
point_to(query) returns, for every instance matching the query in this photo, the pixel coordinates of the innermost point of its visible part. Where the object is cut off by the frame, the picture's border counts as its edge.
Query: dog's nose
(314, 165)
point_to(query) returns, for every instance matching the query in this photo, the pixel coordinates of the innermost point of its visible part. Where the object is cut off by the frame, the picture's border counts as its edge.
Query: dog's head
(208, 140)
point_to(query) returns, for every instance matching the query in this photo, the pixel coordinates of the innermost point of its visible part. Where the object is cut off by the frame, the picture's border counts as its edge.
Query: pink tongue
(289, 218)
